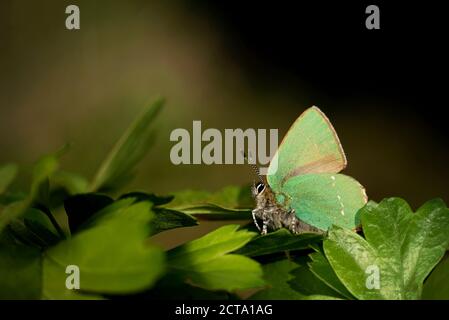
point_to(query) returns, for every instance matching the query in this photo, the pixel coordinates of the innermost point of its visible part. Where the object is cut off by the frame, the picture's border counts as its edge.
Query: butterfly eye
(260, 187)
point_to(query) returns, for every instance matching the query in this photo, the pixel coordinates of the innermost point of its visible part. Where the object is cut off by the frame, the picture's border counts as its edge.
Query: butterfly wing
(304, 172)
(310, 146)
(324, 199)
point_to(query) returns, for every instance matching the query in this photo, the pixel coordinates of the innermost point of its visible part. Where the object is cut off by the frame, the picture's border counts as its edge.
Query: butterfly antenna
(256, 171)
(253, 166)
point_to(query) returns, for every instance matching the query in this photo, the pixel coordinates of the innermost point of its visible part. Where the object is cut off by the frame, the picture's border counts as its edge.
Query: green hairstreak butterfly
(303, 190)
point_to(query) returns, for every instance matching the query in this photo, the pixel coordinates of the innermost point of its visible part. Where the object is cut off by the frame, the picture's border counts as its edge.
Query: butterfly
(303, 190)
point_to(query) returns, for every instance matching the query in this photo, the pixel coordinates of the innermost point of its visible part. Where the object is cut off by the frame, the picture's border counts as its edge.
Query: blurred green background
(86, 86)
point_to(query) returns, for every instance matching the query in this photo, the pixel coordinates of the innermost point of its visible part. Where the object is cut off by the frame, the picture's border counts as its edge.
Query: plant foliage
(65, 220)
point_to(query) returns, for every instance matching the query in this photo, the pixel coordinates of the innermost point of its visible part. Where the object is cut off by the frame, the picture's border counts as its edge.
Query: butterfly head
(258, 189)
(263, 195)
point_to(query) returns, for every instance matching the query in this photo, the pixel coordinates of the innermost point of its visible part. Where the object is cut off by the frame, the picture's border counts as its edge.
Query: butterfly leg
(264, 228)
(255, 219)
(264, 222)
(292, 213)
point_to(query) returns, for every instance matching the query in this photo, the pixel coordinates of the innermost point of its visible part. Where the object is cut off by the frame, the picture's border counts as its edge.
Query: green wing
(310, 146)
(304, 171)
(324, 199)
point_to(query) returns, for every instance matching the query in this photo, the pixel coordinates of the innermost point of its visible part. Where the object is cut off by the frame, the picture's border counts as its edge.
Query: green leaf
(277, 275)
(13, 211)
(321, 297)
(42, 232)
(111, 255)
(20, 269)
(404, 248)
(426, 242)
(321, 268)
(7, 174)
(227, 197)
(128, 151)
(206, 262)
(351, 256)
(9, 197)
(306, 283)
(229, 203)
(167, 219)
(63, 186)
(54, 287)
(213, 212)
(43, 169)
(35, 229)
(156, 200)
(72, 182)
(116, 208)
(277, 241)
(436, 286)
(85, 209)
(36, 215)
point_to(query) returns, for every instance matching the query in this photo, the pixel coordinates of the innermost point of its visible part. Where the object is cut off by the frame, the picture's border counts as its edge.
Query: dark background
(326, 45)
(252, 64)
